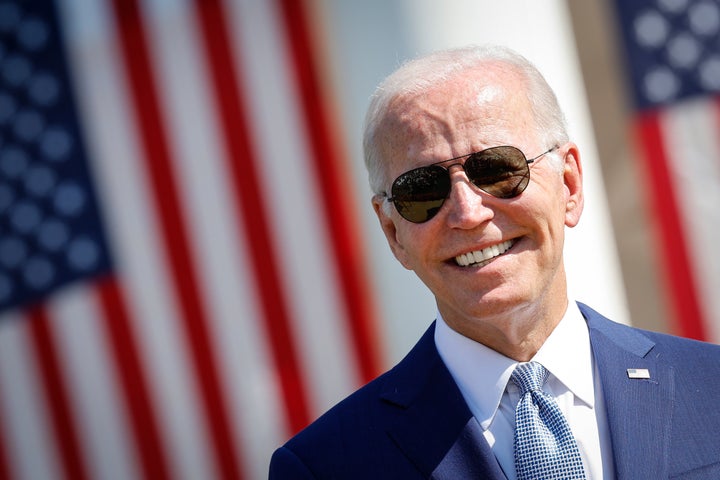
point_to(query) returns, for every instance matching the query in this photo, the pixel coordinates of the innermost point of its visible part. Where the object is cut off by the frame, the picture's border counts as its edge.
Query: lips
(479, 256)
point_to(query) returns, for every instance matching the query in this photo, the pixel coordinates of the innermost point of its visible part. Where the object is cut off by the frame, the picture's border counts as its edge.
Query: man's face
(459, 117)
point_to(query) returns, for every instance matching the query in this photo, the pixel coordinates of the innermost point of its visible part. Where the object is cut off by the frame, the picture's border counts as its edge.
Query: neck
(518, 332)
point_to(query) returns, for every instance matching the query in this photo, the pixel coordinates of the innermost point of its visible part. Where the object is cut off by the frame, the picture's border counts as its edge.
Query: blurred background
(190, 268)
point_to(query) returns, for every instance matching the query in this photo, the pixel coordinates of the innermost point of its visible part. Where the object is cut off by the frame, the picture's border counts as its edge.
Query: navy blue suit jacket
(413, 423)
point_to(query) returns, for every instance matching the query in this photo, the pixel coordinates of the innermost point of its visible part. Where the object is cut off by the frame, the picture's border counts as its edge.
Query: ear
(572, 178)
(389, 228)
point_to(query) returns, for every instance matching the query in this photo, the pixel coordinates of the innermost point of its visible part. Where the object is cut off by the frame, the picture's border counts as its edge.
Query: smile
(480, 256)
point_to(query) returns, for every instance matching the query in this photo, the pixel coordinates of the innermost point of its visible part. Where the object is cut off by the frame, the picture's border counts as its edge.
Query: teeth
(483, 255)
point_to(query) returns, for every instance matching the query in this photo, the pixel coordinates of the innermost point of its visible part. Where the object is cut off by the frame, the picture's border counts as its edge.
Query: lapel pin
(641, 373)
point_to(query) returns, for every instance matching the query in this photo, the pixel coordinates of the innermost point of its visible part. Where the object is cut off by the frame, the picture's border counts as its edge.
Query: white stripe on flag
(31, 450)
(294, 205)
(691, 131)
(78, 328)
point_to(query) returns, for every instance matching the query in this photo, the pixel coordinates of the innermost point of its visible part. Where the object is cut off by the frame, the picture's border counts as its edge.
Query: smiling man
(475, 182)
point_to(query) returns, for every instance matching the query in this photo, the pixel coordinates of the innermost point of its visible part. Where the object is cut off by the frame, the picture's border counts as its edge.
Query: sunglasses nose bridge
(457, 165)
(456, 171)
(466, 205)
(458, 174)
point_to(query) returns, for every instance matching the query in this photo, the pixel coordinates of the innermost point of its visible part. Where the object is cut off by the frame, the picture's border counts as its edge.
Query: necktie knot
(529, 377)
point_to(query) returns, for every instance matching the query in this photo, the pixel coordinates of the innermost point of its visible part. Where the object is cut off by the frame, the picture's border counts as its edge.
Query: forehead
(466, 113)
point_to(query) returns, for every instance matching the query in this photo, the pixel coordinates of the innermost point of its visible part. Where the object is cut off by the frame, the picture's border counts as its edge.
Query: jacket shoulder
(678, 351)
(350, 440)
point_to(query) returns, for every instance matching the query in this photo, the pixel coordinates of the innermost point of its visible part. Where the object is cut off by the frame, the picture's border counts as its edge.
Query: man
(475, 181)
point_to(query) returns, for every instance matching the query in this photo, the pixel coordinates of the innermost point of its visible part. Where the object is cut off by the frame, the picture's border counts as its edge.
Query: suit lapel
(469, 457)
(639, 410)
(435, 429)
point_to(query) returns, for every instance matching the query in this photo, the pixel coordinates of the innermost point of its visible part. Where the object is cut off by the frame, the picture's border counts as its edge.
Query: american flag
(173, 202)
(672, 53)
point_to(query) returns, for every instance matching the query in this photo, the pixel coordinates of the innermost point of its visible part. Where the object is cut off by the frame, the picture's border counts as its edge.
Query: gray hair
(421, 74)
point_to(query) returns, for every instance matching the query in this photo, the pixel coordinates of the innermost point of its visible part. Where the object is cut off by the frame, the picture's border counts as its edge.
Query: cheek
(402, 246)
(415, 246)
(546, 219)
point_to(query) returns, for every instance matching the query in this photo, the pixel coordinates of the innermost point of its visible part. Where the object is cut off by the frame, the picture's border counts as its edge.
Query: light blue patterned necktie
(544, 445)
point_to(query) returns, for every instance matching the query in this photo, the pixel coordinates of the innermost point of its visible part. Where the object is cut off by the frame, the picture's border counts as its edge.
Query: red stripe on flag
(4, 465)
(162, 176)
(242, 163)
(679, 279)
(56, 394)
(339, 225)
(143, 421)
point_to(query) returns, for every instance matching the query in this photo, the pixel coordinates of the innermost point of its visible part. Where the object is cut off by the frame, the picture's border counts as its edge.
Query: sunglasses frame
(519, 189)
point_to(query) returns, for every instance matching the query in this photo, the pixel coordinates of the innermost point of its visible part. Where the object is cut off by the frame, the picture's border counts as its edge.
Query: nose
(466, 205)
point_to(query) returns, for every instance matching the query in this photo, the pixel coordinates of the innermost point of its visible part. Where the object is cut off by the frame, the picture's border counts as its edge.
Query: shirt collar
(566, 354)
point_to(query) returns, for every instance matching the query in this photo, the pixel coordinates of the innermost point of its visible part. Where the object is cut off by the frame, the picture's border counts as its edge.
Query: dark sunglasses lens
(502, 172)
(419, 194)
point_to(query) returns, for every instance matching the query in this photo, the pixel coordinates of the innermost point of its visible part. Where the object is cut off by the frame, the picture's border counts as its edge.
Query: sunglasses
(503, 172)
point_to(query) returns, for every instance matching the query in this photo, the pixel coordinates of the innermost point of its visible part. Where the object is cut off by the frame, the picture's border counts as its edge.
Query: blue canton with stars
(50, 232)
(672, 49)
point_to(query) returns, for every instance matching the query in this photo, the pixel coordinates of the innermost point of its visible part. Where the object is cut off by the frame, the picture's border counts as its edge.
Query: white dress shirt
(482, 375)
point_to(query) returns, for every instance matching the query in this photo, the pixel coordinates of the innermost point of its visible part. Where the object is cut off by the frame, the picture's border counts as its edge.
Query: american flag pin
(641, 373)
